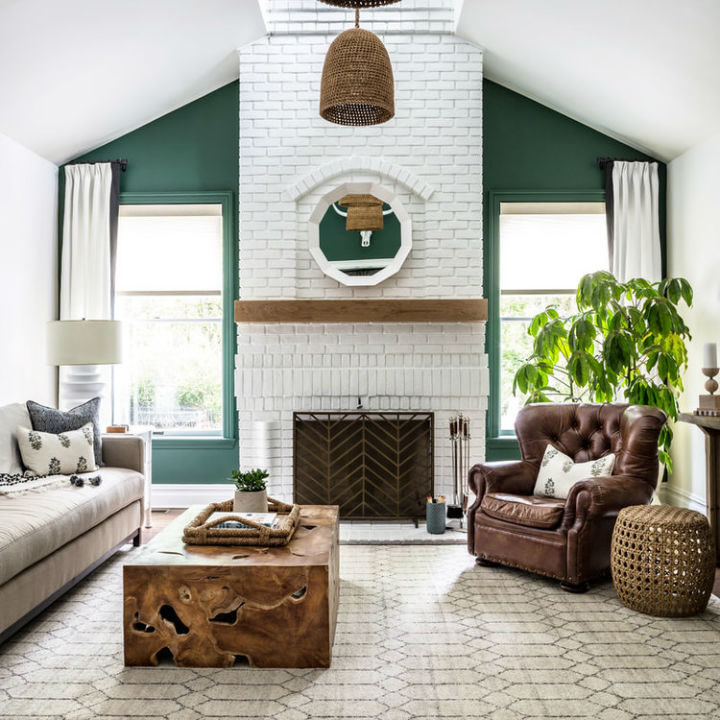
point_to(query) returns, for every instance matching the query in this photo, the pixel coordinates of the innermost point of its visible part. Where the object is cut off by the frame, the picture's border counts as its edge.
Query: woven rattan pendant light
(357, 85)
(359, 4)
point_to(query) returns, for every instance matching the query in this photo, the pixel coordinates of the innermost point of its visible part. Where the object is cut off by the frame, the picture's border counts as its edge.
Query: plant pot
(246, 501)
(435, 518)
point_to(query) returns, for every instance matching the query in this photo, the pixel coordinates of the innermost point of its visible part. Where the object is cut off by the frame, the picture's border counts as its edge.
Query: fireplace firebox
(374, 465)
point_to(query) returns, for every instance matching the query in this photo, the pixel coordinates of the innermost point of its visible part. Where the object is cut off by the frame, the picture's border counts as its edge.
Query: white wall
(694, 253)
(28, 272)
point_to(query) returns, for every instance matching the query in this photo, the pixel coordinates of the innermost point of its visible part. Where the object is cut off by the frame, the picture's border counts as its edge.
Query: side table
(662, 560)
(711, 427)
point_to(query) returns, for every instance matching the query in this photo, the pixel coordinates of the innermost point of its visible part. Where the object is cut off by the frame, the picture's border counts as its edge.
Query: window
(545, 248)
(169, 293)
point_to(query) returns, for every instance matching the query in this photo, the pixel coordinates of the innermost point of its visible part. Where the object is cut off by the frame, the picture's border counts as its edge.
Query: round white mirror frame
(381, 193)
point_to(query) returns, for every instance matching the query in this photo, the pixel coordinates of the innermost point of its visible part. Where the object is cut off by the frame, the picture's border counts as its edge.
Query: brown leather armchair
(564, 539)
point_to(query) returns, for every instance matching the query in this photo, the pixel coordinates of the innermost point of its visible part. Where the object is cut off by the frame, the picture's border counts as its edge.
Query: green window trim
(224, 198)
(502, 444)
(193, 443)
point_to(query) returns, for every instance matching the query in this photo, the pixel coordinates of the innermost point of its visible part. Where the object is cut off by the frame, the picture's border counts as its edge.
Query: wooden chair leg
(578, 588)
(137, 540)
(484, 562)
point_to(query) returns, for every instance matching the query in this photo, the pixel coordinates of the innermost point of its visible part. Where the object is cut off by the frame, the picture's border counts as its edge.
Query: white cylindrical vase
(250, 501)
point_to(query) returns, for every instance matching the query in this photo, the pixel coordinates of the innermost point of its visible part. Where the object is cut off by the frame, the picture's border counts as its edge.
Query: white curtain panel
(85, 275)
(636, 226)
(85, 280)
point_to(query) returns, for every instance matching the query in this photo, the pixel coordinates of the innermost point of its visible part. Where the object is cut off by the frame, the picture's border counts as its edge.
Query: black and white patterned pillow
(559, 472)
(50, 420)
(57, 454)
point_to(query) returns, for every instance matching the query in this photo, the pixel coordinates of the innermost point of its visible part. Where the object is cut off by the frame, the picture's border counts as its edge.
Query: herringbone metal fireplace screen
(374, 465)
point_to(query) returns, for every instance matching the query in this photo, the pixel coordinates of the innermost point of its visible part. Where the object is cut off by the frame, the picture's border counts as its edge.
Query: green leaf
(531, 374)
(613, 353)
(537, 322)
(582, 374)
(582, 334)
(674, 291)
(665, 459)
(584, 291)
(637, 321)
(666, 324)
(686, 291)
(520, 381)
(651, 360)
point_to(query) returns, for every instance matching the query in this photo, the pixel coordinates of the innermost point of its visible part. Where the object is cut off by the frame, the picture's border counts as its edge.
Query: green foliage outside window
(627, 340)
(145, 392)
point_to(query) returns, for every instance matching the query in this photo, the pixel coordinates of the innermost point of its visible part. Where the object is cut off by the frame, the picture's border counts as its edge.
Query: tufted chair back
(589, 431)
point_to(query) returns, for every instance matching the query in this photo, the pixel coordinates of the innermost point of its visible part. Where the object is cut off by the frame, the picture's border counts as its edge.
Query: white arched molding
(351, 165)
(381, 193)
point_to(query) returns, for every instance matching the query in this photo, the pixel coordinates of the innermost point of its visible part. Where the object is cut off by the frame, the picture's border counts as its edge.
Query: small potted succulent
(250, 490)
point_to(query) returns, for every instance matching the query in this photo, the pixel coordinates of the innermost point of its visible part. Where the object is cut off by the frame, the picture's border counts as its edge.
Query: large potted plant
(627, 340)
(250, 490)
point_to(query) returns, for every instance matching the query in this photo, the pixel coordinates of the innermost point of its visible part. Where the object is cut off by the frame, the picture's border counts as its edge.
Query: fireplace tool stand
(460, 451)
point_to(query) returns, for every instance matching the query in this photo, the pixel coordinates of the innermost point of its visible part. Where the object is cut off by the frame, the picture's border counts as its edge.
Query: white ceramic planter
(255, 501)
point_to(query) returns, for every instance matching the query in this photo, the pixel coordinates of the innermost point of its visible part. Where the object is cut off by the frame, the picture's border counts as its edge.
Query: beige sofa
(52, 538)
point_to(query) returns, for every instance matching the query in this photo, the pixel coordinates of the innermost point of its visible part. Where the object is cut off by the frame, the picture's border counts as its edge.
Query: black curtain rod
(121, 163)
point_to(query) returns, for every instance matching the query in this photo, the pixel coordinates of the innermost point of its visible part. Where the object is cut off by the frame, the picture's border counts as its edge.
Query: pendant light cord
(357, 17)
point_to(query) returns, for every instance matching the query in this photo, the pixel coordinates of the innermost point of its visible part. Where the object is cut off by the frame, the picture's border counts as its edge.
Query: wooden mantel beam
(360, 311)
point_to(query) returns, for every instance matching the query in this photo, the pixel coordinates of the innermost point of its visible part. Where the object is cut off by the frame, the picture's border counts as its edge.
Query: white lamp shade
(84, 342)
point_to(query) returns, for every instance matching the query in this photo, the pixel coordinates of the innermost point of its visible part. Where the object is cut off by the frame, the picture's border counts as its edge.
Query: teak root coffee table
(214, 605)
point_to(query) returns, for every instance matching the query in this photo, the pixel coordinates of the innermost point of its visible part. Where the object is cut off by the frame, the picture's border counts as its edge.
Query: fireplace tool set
(460, 450)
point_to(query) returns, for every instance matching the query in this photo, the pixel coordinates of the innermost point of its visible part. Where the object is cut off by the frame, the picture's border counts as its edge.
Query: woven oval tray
(202, 530)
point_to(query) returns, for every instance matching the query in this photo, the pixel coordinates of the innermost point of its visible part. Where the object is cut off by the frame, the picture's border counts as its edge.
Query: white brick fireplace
(430, 155)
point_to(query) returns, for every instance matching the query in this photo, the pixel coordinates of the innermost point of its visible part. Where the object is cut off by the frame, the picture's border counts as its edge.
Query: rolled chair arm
(604, 496)
(511, 476)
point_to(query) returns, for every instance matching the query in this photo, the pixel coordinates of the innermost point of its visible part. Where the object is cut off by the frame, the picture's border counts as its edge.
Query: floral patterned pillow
(61, 454)
(50, 420)
(558, 472)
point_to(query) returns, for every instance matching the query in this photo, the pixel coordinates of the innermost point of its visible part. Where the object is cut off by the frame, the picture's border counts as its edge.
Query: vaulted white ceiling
(77, 73)
(644, 71)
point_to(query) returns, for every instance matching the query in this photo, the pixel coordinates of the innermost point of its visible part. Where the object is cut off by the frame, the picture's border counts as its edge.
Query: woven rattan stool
(662, 560)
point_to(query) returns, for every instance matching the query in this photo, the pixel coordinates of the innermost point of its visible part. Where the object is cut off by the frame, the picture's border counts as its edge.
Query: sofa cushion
(47, 419)
(34, 524)
(10, 417)
(528, 510)
(61, 454)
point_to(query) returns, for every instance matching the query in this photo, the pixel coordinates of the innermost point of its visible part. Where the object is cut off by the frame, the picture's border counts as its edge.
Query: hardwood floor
(160, 520)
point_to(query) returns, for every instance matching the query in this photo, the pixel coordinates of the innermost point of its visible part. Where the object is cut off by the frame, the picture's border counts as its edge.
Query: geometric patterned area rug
(423, 633)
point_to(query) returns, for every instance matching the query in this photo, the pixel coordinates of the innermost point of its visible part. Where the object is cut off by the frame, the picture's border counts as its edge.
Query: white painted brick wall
(283, 17)
(430, 154)
(436, 135)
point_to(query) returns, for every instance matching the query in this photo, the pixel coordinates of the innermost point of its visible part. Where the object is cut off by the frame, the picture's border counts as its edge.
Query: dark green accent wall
(192, 149)
(528, 148)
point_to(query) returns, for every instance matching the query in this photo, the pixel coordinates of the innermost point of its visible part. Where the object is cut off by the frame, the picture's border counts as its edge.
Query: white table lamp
(82, 345)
